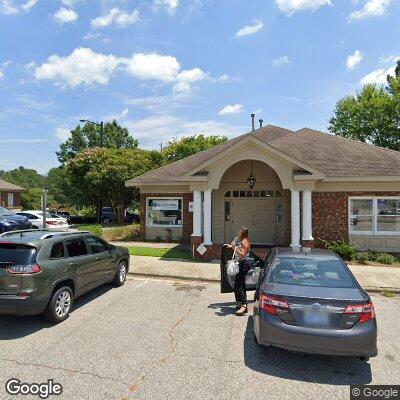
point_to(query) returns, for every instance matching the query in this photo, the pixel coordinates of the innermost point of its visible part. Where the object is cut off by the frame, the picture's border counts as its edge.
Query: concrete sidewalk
(371, 278)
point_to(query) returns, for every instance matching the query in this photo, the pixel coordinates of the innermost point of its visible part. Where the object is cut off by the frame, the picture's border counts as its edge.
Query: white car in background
(52, 221)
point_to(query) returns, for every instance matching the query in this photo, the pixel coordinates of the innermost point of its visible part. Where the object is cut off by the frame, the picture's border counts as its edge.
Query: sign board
(165, 205)
(191, 205)
(201, 249)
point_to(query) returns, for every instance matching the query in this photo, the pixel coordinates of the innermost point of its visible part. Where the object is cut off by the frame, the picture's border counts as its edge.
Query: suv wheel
(120, 276)
(60, 305)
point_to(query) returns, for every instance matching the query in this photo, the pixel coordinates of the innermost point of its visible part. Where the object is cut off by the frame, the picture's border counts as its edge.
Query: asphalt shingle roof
(4, 185)
(332, 155)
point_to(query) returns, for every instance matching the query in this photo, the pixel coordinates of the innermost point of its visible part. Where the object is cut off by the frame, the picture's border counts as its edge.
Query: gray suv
(43, 272)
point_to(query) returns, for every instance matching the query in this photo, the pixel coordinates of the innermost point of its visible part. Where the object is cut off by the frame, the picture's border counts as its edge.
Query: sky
(168, 68)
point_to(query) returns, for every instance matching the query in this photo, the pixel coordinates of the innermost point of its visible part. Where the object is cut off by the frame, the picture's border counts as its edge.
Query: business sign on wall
(165, 205)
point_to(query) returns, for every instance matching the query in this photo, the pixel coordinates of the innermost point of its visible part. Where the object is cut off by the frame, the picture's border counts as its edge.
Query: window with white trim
(374, 215)
(164, 212)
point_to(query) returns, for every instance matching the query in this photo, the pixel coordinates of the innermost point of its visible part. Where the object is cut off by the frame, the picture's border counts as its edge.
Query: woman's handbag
(233, 266)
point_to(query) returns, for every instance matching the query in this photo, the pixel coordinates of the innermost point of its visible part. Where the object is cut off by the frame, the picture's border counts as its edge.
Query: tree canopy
(88, 136)
(110, 169)
(177, 149)
(372, 115)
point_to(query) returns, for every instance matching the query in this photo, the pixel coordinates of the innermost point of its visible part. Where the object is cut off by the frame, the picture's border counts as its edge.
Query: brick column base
(213, 250)
(308, 243)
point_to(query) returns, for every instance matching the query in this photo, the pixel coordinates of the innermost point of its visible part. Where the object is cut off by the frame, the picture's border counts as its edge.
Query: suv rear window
(76, 247)
(310, 272)
(17, 254)
(57, 251)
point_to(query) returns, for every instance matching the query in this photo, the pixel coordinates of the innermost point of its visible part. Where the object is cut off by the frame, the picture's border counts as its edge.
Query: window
(96, 245)
(10, 199)
(57, 251)
(76, 247)
(374, 216)
(227, 210)
(164, 212)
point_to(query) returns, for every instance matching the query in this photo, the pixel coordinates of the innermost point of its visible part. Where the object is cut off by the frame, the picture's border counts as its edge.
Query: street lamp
(99, 204)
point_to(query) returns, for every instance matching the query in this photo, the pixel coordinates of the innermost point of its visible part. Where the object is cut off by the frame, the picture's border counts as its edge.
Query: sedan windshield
(4, 211)
(310, 271)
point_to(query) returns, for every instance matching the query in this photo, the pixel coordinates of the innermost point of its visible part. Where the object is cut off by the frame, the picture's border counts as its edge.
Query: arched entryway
(264, 210)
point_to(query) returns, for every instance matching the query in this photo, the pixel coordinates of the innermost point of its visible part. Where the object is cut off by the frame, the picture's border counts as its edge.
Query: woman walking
(241, 248)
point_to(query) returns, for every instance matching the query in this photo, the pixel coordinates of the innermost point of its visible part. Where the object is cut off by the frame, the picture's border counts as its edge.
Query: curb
(180, 277)
(372, 289)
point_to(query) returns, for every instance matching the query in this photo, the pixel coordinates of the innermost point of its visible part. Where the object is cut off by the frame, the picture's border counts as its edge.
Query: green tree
(25, 177)
(372, 115)
(31, 199)
(110, 169)
(88, 135)
(61, 189)
(177, 149)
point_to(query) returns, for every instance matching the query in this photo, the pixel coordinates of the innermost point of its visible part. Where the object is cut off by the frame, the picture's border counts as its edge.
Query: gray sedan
(309, 301)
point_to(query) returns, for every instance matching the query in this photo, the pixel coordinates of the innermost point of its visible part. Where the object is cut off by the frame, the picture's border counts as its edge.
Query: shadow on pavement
(224, 309)
(14, 327)
(300, 367)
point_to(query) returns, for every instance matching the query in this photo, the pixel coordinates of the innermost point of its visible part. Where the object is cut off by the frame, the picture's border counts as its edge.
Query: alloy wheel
(63, 304)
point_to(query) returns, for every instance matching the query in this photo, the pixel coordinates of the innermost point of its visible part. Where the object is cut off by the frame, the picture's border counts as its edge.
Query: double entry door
(257, 214)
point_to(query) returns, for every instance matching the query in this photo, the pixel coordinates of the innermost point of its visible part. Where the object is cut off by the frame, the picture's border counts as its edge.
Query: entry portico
(207, 197)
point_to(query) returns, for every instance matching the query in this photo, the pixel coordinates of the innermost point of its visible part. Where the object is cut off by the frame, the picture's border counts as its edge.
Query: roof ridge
(370, 145)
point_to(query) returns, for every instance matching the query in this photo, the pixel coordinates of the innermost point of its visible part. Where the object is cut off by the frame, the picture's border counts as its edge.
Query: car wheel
(106, 221)
(60, 305)
(120, 276)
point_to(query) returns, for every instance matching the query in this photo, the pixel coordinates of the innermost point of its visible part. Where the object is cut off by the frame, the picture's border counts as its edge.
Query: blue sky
(167, 68)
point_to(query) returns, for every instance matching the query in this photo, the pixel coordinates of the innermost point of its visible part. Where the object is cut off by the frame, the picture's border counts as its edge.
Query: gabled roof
(4, 185)
(332, 155)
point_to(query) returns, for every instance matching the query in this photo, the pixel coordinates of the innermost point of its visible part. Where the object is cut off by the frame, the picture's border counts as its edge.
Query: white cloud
(69, 3)
(379, 76)
(280, 61)
(231, 109)
(390, 59)
(250, 29)
(63, 133)
(122, 115)
(82, 66)
(289, 7)
(372, 8)
(153, 66)
(1, 74)
(150, 131)
(117, 17)
(169, 5)
(65, 16)
(8, 7)
(354, 59)
(32, 103)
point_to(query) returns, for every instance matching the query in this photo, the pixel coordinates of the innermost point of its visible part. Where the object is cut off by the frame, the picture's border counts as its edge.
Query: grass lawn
(160, 252)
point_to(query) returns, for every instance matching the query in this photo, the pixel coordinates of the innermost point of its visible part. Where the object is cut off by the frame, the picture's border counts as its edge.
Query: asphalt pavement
(179, 340)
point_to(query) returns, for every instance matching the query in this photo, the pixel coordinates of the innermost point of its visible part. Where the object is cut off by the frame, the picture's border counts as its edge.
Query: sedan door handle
(73, 263)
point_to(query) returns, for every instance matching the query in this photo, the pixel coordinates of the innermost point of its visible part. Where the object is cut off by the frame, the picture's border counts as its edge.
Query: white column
(196, 213)
(295, 218)
(207, 217)
(307, 216)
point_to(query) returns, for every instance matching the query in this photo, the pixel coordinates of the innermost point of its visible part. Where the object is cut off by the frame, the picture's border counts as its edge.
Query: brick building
(10, 195)
(289, 188)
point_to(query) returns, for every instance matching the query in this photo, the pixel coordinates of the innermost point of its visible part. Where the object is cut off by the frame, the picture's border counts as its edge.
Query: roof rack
(47, 235)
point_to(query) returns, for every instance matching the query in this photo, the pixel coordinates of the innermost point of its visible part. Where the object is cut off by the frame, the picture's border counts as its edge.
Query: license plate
(316, 318)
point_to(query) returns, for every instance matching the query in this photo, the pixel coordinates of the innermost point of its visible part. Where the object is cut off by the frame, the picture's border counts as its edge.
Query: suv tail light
(23, 269)
(271, 304)
(366, 311)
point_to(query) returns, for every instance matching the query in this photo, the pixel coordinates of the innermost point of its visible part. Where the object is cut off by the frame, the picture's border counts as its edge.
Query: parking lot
(167, 340)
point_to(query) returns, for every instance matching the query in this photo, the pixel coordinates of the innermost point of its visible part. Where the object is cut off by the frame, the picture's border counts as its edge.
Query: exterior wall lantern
(251, 180)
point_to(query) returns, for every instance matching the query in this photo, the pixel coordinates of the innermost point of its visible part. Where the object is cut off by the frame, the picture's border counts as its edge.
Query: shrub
(95, 229)
(345, 250)
(363, 257)
(123, 233)
(385, 258)
(87, 211)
